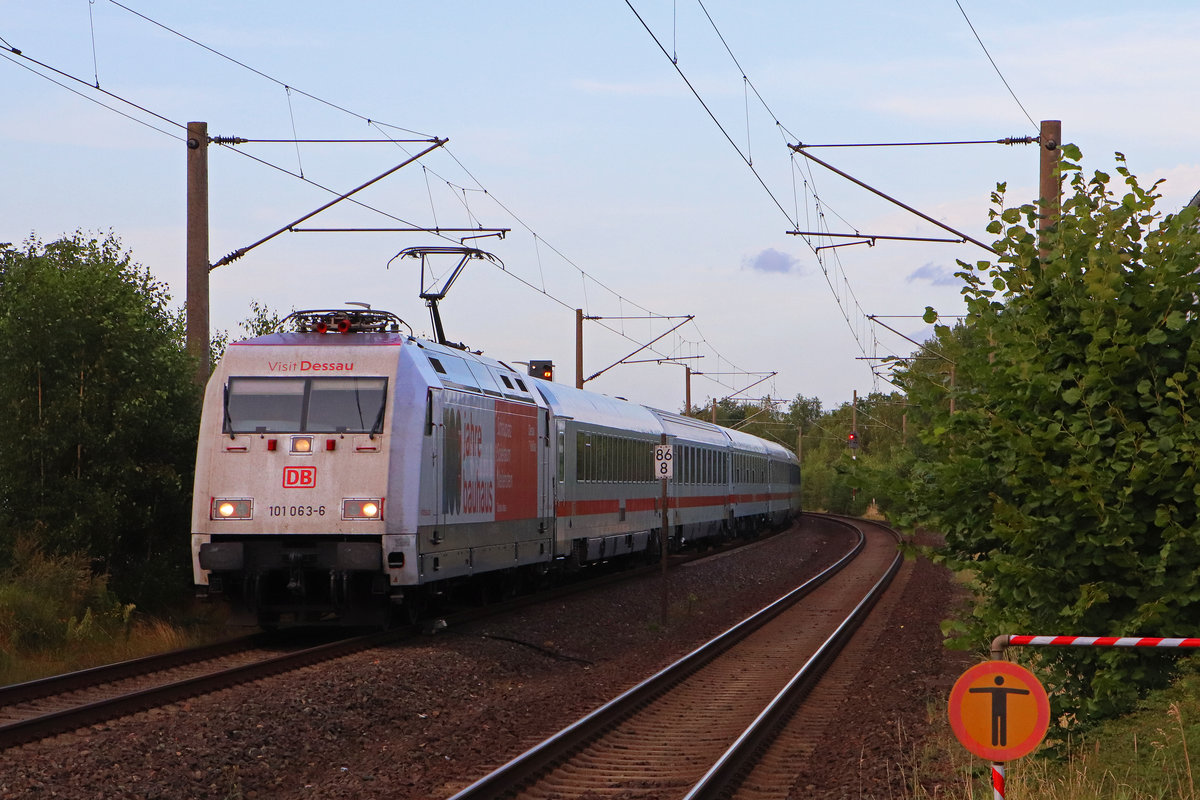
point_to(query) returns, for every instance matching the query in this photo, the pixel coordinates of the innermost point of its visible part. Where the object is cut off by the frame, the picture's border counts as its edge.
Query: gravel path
(424, 720)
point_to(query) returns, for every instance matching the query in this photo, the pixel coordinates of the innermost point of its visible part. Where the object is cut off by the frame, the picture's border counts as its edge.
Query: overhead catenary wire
(833, 283)
(72, 90)
(92, 26)
(817, 249)
(994, 66)
(696, 93)
(21, 55)
(260, 73)
(377, 124)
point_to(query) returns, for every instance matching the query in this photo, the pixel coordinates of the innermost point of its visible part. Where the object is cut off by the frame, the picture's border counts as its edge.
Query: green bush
(1067, 481)
(48, 602)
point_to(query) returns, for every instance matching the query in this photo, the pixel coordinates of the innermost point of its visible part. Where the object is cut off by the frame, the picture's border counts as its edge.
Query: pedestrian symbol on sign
(999, 708)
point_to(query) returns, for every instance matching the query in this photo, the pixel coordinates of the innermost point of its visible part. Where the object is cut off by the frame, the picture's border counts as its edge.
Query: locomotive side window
(305, 405)
(483, 378)
(457, 374)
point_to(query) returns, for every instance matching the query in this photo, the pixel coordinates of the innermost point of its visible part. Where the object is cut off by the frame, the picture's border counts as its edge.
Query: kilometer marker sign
(999, 710)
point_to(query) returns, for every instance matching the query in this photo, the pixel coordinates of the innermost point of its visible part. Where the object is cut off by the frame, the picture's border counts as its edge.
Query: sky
(637, 154)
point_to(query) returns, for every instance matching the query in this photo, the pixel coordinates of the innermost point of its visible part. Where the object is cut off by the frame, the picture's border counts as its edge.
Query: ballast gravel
(425, 720)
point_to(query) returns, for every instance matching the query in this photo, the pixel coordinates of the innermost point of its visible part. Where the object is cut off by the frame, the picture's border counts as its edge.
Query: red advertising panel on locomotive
(516, 461)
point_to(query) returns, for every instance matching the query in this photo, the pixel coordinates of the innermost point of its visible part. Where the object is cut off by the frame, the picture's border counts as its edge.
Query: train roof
(692, 429)
(597, 409)
(311, 339)
(459, 368)
(767, 448)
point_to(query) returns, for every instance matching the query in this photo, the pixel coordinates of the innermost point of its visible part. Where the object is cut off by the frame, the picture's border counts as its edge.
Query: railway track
(697, 728)
(49, 706)
(37, 709)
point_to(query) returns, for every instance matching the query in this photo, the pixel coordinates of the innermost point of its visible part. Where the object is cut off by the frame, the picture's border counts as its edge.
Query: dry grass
(1143, 756)
(144, 636)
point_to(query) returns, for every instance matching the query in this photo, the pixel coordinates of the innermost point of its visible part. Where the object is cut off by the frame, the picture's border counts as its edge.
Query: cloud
(938, 276)
(771, 260)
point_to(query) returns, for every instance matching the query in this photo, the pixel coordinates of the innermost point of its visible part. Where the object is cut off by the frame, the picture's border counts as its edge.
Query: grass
(142, 637)
(1146, 755)
(57, 616)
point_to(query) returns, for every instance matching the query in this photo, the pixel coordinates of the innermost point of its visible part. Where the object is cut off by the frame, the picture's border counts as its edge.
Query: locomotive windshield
(305, 405)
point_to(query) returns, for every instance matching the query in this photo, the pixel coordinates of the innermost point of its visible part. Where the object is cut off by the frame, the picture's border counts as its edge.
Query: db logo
(299, 477)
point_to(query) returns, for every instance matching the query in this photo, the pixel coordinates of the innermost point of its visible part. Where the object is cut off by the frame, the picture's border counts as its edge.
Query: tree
(1067, 480)
(262, 320)
(98, 415)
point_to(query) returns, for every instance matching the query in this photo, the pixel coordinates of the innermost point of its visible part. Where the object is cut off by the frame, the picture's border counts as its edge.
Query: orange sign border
(1012, 751)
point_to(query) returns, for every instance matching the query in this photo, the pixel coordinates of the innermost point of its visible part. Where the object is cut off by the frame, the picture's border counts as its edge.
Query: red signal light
(343, 325)
(320, 327)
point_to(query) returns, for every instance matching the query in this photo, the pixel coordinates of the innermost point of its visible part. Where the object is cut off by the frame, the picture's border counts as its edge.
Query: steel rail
(91, 713)
(511, 776)
(108, 673)
(729, 770)
(31, 729)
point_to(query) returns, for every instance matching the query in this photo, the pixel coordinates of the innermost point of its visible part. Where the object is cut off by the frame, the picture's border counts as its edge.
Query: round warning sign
(999, 710)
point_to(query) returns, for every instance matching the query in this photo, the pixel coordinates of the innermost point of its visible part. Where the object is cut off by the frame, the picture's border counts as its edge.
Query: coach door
(558, 479)
(432, 478)
(546, 470)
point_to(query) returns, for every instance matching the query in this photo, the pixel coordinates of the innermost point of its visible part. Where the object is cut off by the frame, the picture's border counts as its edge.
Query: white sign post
(664, 465)
(664, 470)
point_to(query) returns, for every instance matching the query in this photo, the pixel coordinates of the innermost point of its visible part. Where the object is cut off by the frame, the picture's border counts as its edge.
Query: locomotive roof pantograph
(429, 280)
(345, 320)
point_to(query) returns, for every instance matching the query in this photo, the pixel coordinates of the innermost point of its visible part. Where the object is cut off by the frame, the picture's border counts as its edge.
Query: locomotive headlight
(232, 508)
(362, 509)
(302, 444)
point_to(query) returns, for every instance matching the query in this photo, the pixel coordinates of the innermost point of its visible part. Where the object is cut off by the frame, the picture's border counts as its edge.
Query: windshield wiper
(378, 426)
(228, 418)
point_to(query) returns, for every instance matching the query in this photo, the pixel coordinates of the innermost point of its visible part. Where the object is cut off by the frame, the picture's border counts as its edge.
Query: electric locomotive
(347, 471)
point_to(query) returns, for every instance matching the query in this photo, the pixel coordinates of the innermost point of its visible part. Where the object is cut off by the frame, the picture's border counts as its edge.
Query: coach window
(562, 455)
(583, 460)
